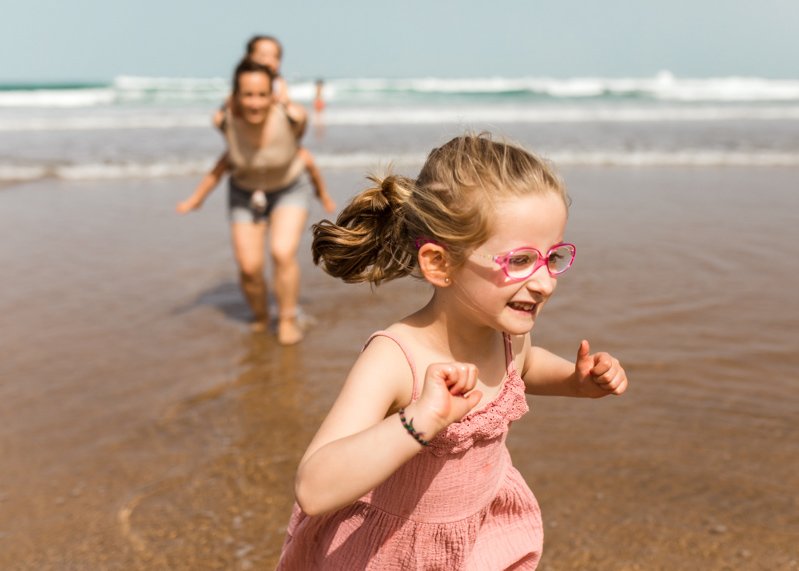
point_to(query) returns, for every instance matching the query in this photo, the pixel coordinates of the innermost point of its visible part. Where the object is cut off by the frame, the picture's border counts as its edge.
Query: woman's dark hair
(248, 66)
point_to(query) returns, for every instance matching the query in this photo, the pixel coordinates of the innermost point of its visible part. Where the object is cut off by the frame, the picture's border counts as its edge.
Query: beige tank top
(270, 166)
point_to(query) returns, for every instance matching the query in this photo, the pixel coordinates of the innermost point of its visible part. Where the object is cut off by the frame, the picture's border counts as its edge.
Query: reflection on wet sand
(230, 503)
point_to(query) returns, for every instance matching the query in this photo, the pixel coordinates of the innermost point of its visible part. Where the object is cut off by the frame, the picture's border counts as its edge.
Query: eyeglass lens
(521, 263)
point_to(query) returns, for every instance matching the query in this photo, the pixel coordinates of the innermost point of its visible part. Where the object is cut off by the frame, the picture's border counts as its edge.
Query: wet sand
(143, 427)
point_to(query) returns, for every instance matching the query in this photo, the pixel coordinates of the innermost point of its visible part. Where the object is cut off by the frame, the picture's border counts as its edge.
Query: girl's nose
(541, 282)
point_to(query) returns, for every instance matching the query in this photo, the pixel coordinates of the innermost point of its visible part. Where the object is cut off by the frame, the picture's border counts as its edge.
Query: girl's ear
(434, 264)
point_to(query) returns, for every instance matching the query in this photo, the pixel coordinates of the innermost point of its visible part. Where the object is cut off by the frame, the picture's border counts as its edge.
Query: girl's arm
(362, 441)
(317, 181)
(205, 187)
(219, 116)
(296, 113)
(591, 375)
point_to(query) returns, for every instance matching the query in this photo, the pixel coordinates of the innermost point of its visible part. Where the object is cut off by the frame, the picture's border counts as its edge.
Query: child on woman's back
(268, 51)
(410, 469)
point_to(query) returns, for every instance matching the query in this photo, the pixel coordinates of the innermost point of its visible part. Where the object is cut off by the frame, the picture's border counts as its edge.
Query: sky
(96, 40)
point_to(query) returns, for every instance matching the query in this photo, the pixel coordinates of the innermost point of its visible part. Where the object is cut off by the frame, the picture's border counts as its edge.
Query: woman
(266, 185)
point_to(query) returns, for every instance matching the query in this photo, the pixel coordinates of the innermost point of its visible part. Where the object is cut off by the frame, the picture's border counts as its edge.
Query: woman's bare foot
(289, 331)
(258, 326)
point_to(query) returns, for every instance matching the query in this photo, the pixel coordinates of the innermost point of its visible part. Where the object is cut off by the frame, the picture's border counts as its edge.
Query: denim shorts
(256, 206)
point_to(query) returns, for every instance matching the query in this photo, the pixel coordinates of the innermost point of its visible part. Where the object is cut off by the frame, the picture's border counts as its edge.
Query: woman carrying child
(267, 188)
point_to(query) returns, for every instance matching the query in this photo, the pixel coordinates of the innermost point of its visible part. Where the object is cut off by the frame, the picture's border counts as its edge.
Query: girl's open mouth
(527, 307)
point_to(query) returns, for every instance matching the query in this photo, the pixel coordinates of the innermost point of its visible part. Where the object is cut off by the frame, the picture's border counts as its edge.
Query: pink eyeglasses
(521, 263)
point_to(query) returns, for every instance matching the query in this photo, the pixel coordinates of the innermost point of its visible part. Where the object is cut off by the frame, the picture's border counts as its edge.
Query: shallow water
(143, 427)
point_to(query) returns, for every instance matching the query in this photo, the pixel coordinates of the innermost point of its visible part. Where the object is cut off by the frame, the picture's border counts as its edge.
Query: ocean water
(152, 127)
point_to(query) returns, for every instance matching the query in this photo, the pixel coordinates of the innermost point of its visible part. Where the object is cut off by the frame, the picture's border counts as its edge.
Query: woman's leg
(287, 224)
(248, 248)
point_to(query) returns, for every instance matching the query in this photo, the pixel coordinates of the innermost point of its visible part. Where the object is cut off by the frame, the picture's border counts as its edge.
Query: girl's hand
(598, 375)
(188, 205)
(327, 203)
(448, 395)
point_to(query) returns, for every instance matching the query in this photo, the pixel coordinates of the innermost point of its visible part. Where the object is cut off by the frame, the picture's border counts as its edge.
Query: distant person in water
(319, 102)
(319, 106)
(268, 51)
(267, 190)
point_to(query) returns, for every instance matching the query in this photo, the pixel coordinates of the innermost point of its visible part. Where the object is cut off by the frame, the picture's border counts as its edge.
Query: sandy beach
(143, 427)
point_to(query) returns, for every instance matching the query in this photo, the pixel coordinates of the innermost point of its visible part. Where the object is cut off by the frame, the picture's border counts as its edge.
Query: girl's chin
(518, 328)
(521, 325)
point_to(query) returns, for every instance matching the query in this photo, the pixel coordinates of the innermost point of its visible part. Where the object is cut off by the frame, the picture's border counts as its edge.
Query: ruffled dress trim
(491, 421)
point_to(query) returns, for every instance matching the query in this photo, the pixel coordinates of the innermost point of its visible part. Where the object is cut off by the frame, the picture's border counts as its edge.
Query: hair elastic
(422, 240)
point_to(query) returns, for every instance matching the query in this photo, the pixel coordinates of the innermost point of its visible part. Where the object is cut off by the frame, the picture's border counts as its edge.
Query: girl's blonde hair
(451, 202)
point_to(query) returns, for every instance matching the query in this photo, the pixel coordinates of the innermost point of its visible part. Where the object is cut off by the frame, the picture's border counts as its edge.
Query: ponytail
(370, 240)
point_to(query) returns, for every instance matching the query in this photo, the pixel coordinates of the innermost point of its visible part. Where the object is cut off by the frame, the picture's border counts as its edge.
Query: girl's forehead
(529, 219)
(529, 206)
(267, 46)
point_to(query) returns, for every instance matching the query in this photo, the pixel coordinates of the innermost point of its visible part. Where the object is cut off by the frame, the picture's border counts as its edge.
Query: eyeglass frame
(502, 260)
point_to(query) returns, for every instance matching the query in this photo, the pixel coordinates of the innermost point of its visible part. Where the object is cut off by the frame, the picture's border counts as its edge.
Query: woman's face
(254, 96)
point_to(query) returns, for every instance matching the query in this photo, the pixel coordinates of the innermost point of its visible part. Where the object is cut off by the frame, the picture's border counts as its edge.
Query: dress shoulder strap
(415, 391)
(510, 364)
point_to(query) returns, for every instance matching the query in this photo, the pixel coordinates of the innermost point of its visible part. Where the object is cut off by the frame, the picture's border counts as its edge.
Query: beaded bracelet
(411, 430)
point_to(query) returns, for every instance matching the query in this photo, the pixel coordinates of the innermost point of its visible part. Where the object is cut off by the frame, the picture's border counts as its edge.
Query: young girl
(410, 469)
